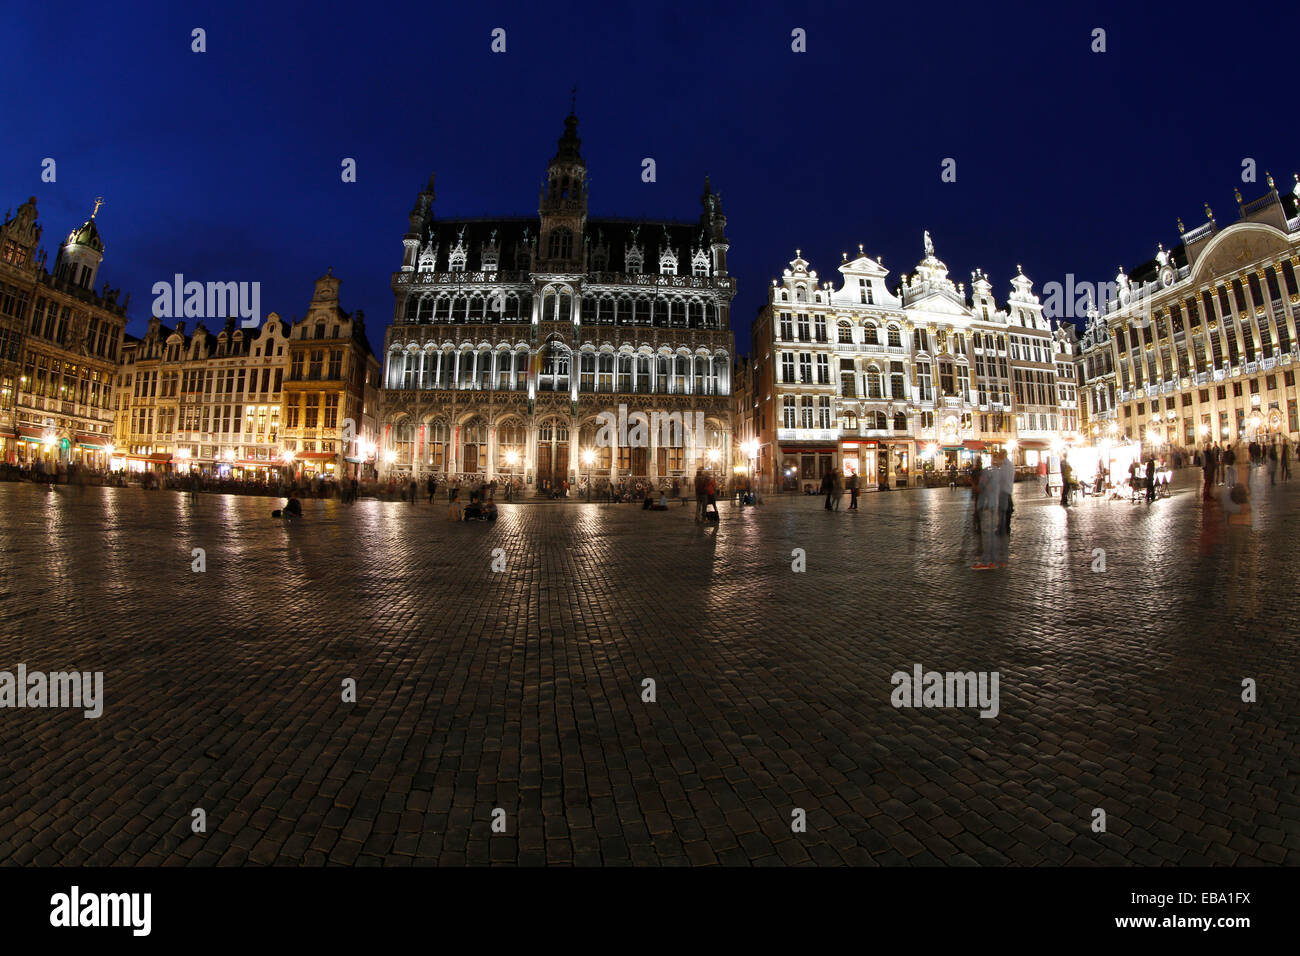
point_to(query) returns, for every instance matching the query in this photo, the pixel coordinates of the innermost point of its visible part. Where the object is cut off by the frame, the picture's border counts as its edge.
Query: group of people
(1219, 464)
(991, 490)
(706, 496)
(834, 485)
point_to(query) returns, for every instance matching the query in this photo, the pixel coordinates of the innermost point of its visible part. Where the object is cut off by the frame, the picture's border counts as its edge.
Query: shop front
(860, 458)
(894, 462)
(802, 467)
(317, 463)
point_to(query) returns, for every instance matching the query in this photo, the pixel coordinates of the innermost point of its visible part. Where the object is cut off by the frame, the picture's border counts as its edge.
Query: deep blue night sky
(225, 165)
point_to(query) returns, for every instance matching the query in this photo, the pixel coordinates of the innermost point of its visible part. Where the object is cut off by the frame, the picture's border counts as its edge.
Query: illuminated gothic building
(59, 342)
(511, 336)
(1199, 345)
(885, 383)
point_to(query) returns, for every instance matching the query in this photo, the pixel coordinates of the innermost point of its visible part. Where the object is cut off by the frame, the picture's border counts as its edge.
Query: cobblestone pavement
(1119, 690)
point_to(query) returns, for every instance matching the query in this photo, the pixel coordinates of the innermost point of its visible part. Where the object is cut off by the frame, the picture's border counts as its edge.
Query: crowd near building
(889, 383)
(557, 350)
(1198, 346)
(514, 339)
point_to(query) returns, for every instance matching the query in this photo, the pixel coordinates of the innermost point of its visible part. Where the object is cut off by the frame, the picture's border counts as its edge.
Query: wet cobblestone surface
(522, 689)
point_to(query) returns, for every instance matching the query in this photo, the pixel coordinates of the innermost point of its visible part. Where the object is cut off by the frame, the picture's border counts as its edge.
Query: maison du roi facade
(1199, 345)
(251, 402)
(865, 380)
(512, 336)
(59, 345)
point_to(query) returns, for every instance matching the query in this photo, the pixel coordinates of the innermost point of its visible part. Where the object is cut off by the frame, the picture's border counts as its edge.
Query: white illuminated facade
(887, 383)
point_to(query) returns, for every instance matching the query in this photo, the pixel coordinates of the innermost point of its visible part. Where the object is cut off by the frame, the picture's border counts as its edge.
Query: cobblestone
(523, 689)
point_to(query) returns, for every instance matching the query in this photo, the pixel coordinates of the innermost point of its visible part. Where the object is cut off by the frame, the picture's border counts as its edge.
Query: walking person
(1229, 466)
(1272, 464)
(413, 490)
(828, 488)
(837, 489)
(988, 494)
(1285, 456)
(1208, 467)
(1067, 476)
(854, 485)
(1006, 485)
(432, 487)
(699, 494)
(1151, 480)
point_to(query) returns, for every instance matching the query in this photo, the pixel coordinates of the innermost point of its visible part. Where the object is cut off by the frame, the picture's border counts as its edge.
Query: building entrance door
(552, 454)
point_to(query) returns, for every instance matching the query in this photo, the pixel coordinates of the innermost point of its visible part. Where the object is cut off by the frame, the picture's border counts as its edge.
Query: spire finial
(99, 201)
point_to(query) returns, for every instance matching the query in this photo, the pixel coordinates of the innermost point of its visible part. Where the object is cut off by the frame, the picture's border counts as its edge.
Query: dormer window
(668, 264)
(633, 259)
(456, 259)
(700, 264)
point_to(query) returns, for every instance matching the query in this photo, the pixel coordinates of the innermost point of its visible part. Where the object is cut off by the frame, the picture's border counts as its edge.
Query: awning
(1034, 443)
(27, 433)
(157, 458)
(975, 445)
(92, 441)
(315, 455)
(809, 450)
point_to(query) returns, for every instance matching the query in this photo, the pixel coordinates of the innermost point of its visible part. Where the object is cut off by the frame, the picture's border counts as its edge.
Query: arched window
(900, 422)
(895, 337)
(512, 442)
(437, 445)
(560, 245)
(590, 443)
(873, 383)
(473, 439)
(587, 372)
(394, 369)
(605, 372)
(845, 333)
(404, 444)
(870, 335)
(409, 314)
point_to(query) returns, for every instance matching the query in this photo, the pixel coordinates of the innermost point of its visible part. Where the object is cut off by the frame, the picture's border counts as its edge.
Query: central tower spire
(562, 205)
